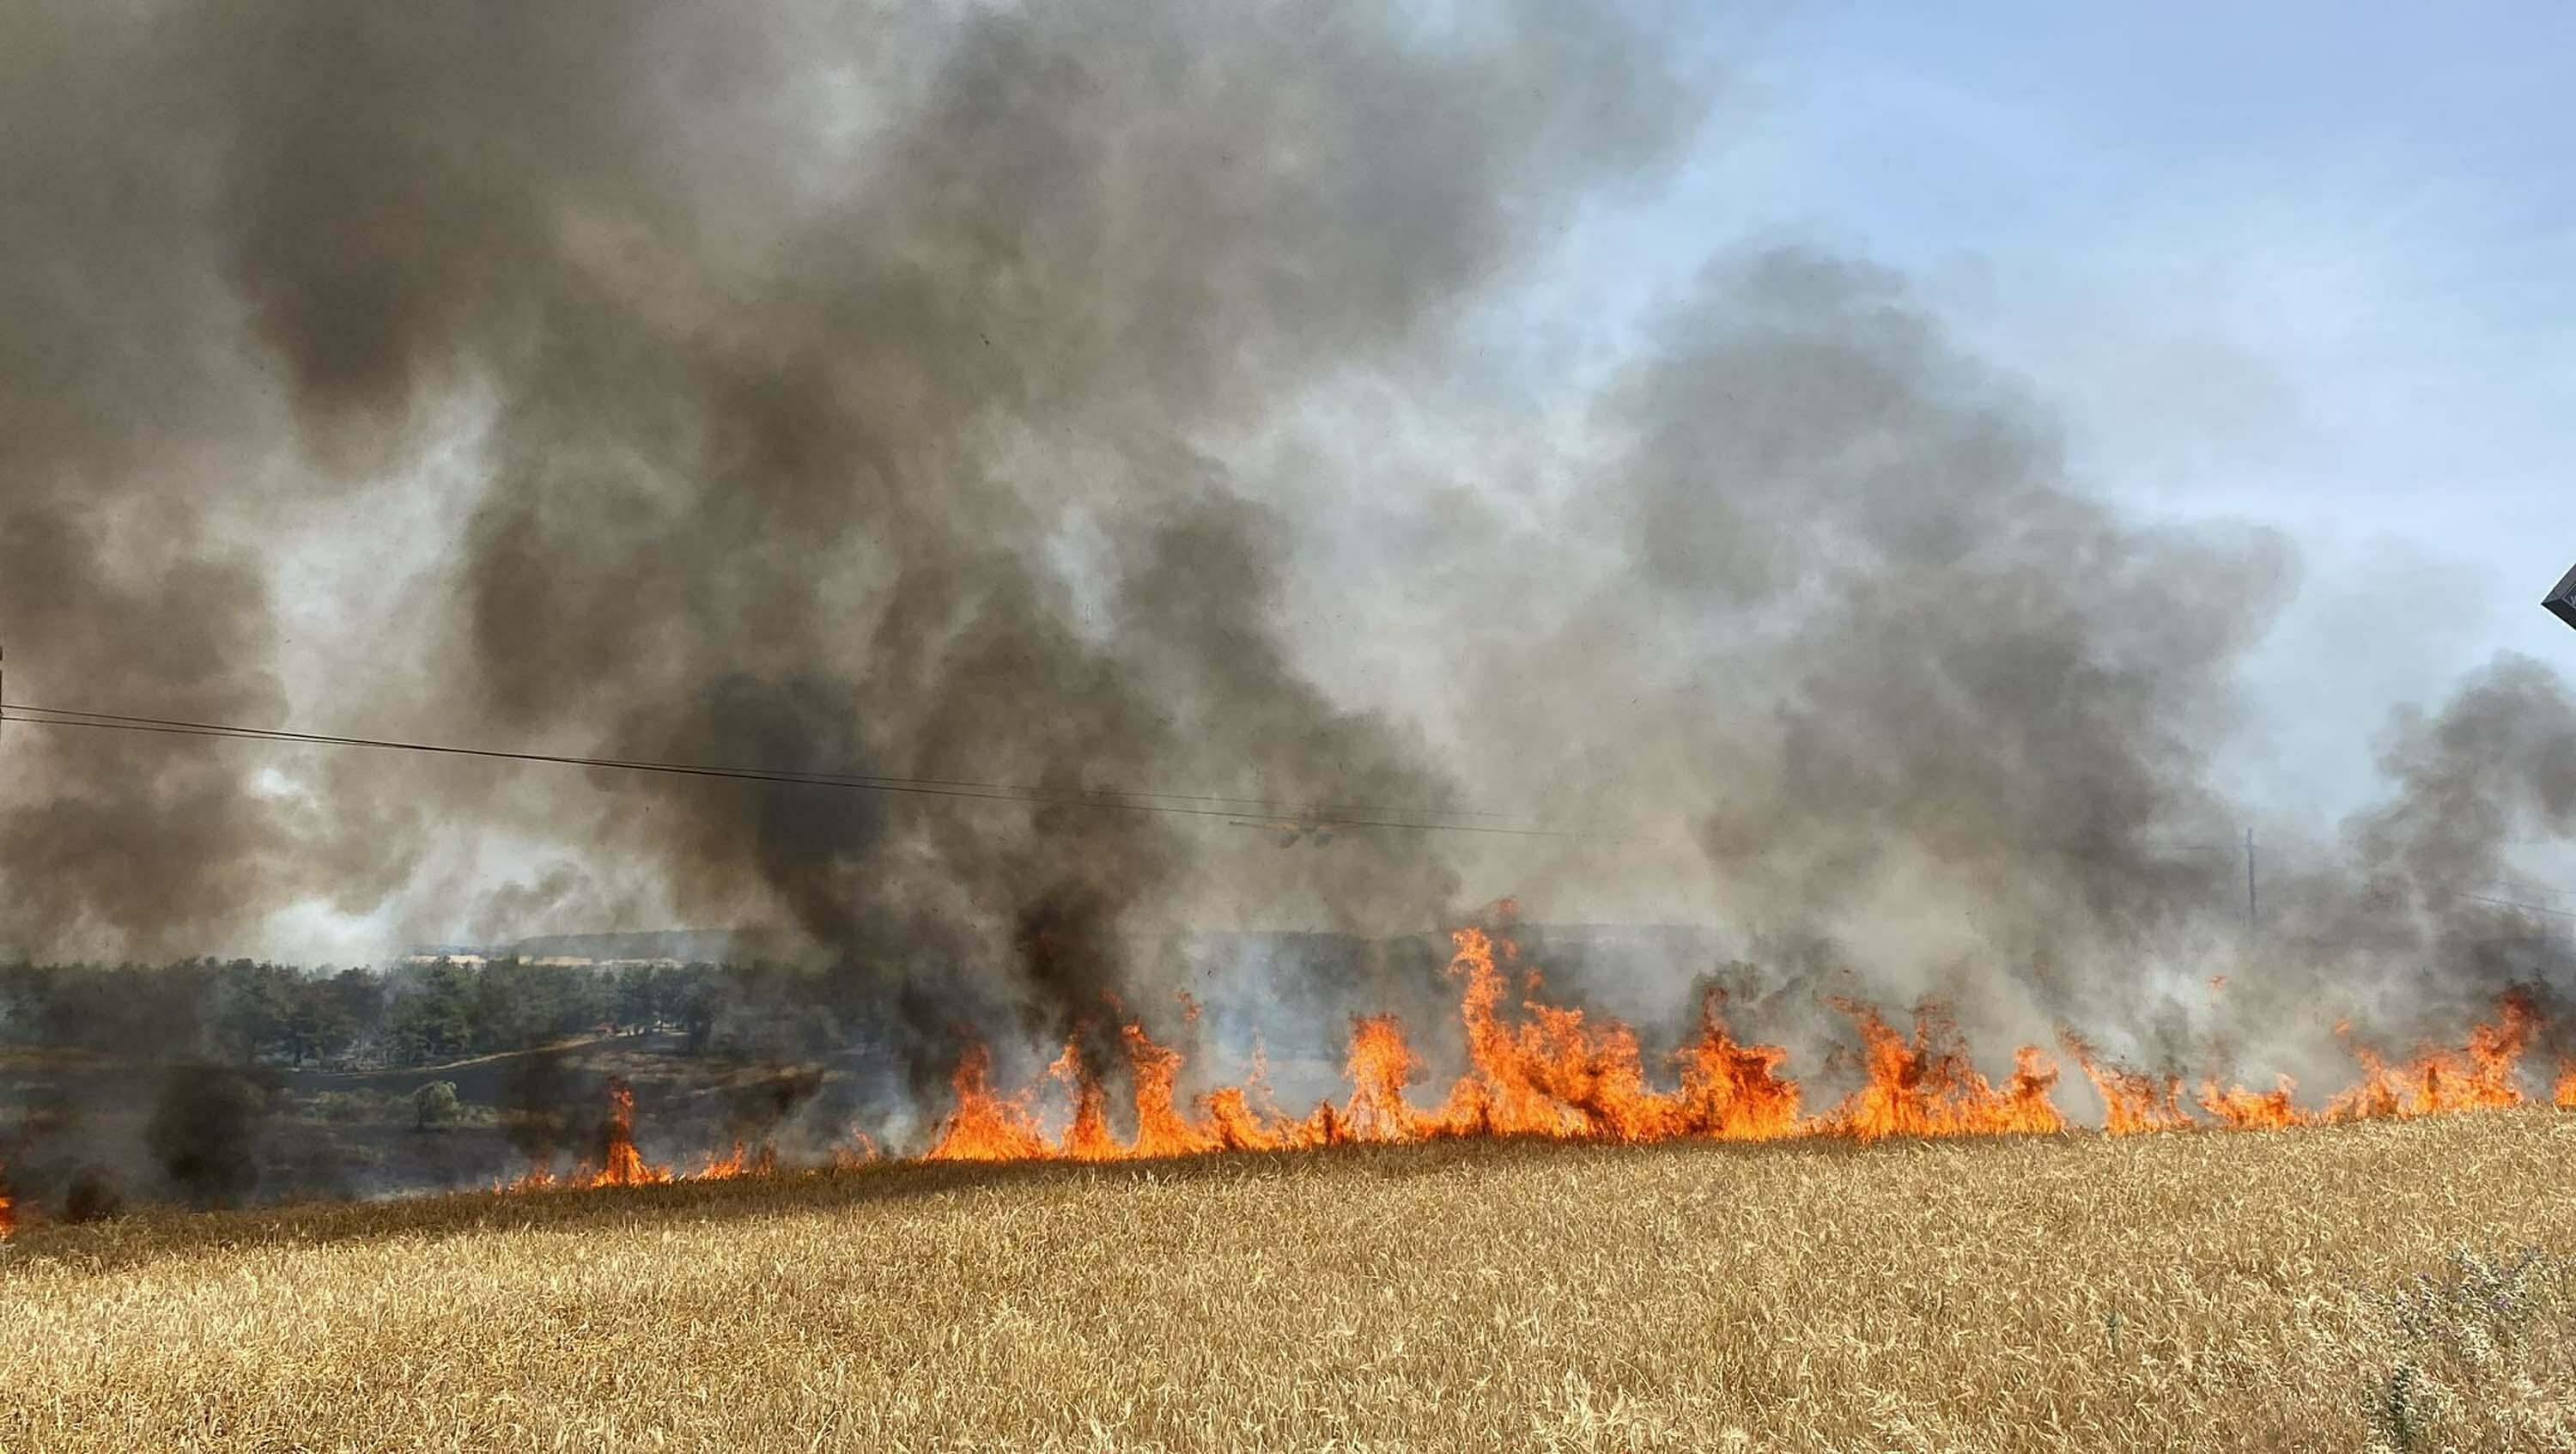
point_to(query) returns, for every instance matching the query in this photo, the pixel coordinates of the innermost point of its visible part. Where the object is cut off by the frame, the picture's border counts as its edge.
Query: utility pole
(2252, 915)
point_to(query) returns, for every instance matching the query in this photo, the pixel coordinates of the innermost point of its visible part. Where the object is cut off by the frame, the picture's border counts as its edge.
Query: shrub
(436, 1104)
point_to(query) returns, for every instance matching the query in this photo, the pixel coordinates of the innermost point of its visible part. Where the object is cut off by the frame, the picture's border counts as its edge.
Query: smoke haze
(966, 392)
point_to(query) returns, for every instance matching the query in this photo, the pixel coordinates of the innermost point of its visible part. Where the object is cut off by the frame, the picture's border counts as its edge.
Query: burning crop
(620, 1163)
(1539, 1070)
(2246, 1110)
(2132, 1101)
(1543, 1071)
(1555, 1073)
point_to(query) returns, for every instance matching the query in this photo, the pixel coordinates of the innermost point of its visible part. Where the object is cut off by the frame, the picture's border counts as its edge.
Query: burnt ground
(166, 1132)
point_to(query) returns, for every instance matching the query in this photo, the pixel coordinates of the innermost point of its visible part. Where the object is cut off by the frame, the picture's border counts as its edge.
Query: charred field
(2388, 1284)
(306, 1135)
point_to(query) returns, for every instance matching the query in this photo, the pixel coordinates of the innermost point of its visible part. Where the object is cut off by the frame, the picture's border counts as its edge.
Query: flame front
(2477, 1078)
(1545, 1071)
(2246, 1110)
(1926, 1087)
(619, 1163)
(1551, 1072)
(985, 1127)
(2133, 1102)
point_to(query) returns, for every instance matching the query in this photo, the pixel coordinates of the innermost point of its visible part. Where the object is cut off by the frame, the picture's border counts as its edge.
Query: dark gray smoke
(2422, 922)
(1940, 716)
(131, 418)
(866, 389)
(1945, 720)
(794, 354)
(206, 1130)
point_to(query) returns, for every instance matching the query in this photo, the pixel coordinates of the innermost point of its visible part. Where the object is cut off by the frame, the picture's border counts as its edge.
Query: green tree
(344, 1010)
(435, 1104)
(255, 1008)
(632, 1001)
(434, 1018)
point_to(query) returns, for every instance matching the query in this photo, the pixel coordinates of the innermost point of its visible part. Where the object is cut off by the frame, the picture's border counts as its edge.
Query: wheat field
(2389, 1285)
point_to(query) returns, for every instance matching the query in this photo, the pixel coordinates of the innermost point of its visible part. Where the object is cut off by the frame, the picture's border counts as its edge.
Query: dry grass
(2299, 1290)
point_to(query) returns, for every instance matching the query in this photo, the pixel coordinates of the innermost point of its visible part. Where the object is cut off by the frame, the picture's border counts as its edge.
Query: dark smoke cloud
(864, 389)
(206, 1130)
(794, 353)
(126, 407)
(1976, 672)
(1923, 695)
(1944, 719)
(2417, 923)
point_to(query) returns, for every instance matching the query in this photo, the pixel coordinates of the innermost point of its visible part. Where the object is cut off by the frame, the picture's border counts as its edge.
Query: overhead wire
(1302, 816)
(2511, 904)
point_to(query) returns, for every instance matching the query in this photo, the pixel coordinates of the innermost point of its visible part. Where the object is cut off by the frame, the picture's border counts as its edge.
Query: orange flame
(1088, 1139)
(1548, 1072)
(1161, 1130)
(620, 1163)
(1734, 1092)
(763, 1162)
(2133, 1102)
(862, 1151)
(1926, 1087)
(2478, 1077)
(2246, 1110)
(1381, 1064)
(1556, 1073)
(1541, 1070)
(985, 1127)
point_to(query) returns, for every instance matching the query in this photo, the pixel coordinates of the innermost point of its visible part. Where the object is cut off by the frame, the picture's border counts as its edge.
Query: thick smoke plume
(802, 352)
(902, 390)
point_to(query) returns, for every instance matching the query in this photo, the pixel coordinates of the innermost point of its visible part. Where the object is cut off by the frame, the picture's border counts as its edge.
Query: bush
(436, 1104)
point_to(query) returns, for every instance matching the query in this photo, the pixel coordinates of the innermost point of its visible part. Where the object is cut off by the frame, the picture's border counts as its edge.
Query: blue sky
(2304, 264)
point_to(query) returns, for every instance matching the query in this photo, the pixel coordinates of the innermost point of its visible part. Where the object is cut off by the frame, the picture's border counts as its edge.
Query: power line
(1107, 798)
(840, 779)
(2510, 904)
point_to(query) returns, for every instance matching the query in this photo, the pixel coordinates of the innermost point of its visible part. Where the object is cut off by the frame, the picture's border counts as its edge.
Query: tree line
(255, 1012)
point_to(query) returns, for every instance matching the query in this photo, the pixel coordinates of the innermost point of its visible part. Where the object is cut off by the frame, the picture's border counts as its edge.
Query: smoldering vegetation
(962, 393)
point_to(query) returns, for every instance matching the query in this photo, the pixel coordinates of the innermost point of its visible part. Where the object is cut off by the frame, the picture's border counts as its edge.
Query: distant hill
(685, 945)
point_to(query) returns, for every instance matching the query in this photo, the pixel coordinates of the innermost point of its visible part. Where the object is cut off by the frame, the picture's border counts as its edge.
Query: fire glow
(1553, 1073)
(620, 1163)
